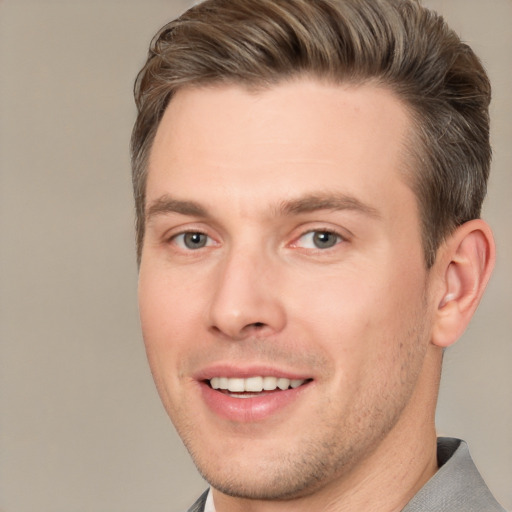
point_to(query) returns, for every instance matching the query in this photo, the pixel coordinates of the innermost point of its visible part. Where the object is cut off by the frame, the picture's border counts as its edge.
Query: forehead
(295, 137)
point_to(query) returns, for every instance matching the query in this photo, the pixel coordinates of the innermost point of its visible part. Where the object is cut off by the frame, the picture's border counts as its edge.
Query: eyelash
(339, 238)
(173, 239)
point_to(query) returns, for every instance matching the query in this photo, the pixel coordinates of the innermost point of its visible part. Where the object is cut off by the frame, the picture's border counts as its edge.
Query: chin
(270, 473)
(265, 485)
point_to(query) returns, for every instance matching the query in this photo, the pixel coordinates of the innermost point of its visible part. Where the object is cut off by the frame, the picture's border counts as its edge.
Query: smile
(250, 398)
(254, 384)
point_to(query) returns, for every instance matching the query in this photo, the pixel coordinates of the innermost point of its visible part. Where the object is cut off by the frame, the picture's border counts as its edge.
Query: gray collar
(457, 486)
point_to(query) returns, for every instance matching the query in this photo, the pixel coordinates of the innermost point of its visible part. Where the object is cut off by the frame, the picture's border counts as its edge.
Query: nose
(246, 301)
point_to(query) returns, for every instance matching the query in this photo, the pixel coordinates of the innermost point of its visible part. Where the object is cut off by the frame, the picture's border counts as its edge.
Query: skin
(258, 175)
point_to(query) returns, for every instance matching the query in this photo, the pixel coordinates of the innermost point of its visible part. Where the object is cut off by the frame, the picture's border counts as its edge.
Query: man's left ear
(465, 262)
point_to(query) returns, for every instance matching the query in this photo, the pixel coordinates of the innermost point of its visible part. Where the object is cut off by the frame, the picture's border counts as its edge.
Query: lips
(246, 396)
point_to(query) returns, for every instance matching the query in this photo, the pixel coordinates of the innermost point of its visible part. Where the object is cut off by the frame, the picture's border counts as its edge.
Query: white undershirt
(209, 506)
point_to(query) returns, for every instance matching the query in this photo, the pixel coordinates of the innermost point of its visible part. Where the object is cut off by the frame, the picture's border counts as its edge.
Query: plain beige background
(81, 426)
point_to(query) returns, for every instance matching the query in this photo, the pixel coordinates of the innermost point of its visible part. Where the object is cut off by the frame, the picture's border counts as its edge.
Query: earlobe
(466, 262)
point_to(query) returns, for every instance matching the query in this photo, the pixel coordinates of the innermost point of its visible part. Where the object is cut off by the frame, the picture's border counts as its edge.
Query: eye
(319, 240)
(192, 240)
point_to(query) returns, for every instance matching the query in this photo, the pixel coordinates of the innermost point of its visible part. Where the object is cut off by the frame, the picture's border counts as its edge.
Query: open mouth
(265, 395)
(253, 386)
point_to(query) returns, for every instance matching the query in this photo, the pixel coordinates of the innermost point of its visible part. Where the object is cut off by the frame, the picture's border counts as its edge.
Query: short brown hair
(395, 43)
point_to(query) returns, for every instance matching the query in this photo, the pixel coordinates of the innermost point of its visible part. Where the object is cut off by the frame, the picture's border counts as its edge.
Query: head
(308, 177)
(397, 44)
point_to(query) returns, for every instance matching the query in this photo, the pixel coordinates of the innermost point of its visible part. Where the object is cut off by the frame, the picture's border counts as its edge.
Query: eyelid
(182, 245)
(174, 234)
(338, 233)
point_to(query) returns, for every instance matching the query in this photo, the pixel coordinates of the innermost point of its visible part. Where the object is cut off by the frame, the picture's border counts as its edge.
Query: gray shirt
(456, 487)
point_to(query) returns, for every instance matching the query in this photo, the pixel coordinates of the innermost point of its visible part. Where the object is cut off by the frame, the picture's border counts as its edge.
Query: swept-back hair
(397, 44)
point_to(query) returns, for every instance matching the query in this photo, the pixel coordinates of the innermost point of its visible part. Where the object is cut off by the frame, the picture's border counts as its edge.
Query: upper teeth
(254, 384)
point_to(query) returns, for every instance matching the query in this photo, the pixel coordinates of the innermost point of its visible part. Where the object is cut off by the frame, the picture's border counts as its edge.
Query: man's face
(283, 250)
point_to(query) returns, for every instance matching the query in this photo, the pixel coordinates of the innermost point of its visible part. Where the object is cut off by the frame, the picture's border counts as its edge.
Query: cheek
(169, 323)
(168, 301)
(341, 304)
(167, 314)
(360, 317)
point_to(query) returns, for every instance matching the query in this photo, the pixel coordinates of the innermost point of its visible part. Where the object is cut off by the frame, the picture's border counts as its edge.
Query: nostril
(258, 324)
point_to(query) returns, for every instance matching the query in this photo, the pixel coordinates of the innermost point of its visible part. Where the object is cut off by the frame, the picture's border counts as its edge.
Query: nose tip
(246, 303)
(239, 324)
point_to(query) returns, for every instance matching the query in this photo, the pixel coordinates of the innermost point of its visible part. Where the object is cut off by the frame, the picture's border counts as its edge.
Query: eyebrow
(326, 201)
(166, 204)
(305, 204)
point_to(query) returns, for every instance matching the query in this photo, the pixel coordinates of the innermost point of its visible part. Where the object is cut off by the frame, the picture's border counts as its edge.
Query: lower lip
(249, 410)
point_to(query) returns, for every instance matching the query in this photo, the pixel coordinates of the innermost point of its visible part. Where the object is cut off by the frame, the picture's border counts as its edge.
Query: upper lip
(244, 372)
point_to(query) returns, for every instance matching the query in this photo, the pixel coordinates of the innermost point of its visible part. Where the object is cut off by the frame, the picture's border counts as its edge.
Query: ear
(465, 261)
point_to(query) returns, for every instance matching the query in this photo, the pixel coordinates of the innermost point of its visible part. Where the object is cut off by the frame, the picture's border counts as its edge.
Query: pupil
(195, 240)
(324, 239)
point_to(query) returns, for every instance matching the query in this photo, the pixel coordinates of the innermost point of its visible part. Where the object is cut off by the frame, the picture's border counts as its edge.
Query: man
(308, 180)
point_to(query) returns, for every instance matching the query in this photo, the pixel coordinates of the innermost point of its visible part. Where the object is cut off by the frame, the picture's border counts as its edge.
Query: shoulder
(457, 486)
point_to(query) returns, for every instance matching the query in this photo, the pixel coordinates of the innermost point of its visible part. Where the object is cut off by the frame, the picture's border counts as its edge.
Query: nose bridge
(245, 299)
